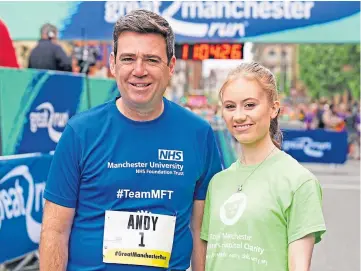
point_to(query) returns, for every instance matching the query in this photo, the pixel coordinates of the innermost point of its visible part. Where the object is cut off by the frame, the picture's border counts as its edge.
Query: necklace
(260, 164)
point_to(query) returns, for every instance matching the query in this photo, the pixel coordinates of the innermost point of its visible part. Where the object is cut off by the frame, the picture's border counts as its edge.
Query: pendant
(240, 188)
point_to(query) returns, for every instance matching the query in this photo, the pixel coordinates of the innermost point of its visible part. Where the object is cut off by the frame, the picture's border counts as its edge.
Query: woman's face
(247, 110)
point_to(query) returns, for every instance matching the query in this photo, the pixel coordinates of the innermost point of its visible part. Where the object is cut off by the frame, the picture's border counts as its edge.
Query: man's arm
(56, 225)
(199, 246)
(300, 253)
(62, 60)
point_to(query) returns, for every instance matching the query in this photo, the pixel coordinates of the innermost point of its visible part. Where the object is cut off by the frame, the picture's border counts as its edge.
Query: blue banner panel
(316, 146)
(57, 100)
(195, 21)
(227, 153)
(22, 184)
(36, 105)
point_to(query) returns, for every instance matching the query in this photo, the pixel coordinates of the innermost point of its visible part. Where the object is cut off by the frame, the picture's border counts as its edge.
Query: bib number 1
(124, 238)
(141, 244)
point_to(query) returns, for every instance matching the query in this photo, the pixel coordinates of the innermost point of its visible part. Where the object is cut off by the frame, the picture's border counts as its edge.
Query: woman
(263, 212)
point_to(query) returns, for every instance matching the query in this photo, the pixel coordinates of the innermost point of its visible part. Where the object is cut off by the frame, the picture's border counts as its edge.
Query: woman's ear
(276, 108)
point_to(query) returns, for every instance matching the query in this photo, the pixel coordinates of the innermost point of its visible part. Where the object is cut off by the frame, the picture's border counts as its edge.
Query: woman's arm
(300, 253)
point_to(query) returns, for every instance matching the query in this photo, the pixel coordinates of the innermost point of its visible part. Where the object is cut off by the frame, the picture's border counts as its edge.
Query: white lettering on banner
(296, 10)
(227, 30)
(114, 9)
(39, 196)
(12, 203)
(246, 10)
(152, 194)
(48, 119)
(309, 147)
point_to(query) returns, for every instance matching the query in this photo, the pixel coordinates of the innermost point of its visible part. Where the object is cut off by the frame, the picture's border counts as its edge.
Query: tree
(327, 70)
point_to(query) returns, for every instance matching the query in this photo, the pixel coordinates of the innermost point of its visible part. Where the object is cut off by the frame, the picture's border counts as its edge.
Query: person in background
(344, 113)
(7, 50)
(358, 129)
(320, 112)
(354, 132)
(100, 70)
(263, 213)
(48, 54)
(331, 119)
(311, 121)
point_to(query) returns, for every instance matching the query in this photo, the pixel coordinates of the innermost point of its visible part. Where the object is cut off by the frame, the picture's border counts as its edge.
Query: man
(7, 51)
(127, 184)
(48, 55)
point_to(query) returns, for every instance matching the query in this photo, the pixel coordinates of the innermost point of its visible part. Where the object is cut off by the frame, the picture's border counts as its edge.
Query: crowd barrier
(316, 146)
(22, 183)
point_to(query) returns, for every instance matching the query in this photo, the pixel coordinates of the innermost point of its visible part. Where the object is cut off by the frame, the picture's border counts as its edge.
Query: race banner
(195, 21)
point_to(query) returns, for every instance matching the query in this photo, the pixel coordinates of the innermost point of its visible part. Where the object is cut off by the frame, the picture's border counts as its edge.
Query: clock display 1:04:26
(212, 51)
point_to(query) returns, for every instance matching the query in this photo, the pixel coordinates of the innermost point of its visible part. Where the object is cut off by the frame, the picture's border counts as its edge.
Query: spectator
(320, 112)
(332, 120)
(48, 55)
(354, 133)
(100, 70)
(7, 51)
(310, 119)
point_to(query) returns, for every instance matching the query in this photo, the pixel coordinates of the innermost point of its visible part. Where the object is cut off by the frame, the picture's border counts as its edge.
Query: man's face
(141, 69)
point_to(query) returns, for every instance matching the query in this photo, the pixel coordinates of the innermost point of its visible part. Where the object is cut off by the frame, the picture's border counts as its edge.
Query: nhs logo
(170, 155)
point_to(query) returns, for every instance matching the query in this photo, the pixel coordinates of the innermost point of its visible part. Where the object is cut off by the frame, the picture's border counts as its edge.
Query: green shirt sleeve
(206, 216)
(305, 216)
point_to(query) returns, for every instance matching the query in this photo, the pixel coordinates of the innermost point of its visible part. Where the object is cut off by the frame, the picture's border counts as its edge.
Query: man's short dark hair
(144, 21)
(49, 30)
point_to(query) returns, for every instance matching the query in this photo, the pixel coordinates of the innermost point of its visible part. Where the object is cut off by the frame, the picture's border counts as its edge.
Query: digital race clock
(202, 51)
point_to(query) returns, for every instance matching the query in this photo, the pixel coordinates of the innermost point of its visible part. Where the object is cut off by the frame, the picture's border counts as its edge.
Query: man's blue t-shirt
(104, 160)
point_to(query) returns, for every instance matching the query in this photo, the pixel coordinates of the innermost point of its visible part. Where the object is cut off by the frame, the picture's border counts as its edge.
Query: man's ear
(112, 63)
(172, 65)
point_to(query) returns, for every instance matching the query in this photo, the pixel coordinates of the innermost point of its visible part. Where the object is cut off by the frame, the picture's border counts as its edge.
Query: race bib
(138, 238)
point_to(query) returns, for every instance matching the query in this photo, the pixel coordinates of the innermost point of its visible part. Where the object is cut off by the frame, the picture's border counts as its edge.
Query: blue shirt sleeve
(212, 165)
(64, 175)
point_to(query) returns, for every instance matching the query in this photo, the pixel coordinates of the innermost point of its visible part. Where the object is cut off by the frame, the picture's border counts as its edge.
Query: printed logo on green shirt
(232, 209)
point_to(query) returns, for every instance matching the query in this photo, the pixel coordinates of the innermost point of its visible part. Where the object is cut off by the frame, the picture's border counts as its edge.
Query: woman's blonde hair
(265, 78)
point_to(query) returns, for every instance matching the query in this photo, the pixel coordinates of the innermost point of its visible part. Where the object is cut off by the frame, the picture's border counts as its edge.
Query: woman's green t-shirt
(250, 230)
